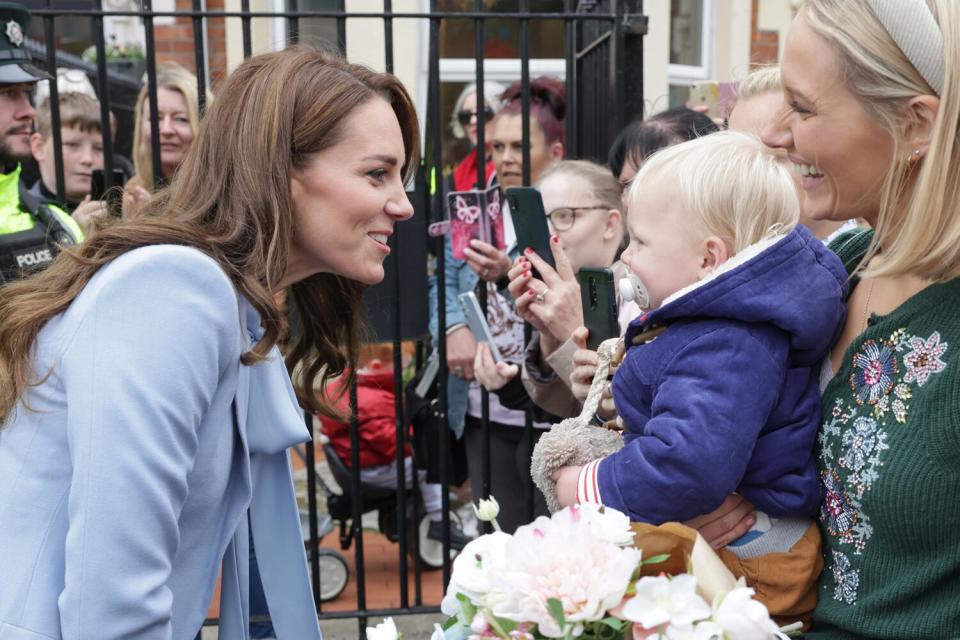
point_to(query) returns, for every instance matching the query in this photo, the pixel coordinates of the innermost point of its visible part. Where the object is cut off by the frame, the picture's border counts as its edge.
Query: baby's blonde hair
(730, 185)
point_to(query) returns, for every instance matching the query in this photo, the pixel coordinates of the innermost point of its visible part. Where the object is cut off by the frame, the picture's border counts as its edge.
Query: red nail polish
(531, 292)
(528, 251)
(526, 274)
(555, 239)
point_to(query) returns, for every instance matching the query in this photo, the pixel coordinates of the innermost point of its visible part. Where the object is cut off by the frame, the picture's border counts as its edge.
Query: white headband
(912, 26)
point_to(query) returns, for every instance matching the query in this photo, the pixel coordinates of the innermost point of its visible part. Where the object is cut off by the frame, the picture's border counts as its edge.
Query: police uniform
(31, 232)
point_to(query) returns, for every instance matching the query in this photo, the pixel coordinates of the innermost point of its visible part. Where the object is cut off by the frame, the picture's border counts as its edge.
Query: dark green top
(889, 455)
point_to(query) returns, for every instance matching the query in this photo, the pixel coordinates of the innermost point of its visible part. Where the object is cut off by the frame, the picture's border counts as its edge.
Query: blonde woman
(145, 406)
(872, 93)
(759, 101)
(178, 117)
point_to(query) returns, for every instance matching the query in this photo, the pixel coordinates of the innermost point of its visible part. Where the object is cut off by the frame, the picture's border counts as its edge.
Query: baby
(717, 392)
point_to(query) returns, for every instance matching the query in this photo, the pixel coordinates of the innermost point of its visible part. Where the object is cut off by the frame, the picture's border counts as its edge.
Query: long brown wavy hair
(231, 200)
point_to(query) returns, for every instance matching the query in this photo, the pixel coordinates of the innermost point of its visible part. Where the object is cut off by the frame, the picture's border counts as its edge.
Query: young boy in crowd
(82, 145)
(717, 392)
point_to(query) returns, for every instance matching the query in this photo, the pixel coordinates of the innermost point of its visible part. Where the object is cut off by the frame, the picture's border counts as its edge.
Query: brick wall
(764, 45)
(175, 42)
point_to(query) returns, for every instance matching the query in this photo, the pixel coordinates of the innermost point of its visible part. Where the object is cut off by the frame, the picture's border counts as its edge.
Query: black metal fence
(603, 67)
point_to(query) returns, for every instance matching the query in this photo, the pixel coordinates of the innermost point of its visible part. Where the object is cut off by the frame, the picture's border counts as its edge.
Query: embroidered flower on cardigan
(836, 512)
(853, 437)
(860, 441)
(846, 579)
(924, 360)
(874, 369)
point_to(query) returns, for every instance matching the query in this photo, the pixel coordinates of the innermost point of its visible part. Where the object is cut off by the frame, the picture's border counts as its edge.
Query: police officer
(31, 232)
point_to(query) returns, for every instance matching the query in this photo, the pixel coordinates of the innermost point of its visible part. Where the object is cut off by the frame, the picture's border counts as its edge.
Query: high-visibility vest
(31, 232)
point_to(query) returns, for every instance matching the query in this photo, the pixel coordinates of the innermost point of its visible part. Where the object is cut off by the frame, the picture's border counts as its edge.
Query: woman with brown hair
(145, 405)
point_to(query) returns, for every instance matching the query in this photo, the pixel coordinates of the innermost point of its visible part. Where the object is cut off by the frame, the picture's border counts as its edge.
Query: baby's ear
(713, 254)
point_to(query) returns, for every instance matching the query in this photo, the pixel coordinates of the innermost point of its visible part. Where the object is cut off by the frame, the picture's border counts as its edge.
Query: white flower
(661, 600)
(706, 630)
(561, 558)
(608, 525)
(479, 623)
(386, 630)
(471, 572)
(742, 617)
(456, 632)
(487, 510)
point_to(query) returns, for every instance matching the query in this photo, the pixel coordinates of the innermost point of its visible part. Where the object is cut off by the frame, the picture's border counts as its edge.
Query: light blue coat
(129, 480)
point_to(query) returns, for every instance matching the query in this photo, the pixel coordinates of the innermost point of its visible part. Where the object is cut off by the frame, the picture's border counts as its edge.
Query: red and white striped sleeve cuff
(588, 487)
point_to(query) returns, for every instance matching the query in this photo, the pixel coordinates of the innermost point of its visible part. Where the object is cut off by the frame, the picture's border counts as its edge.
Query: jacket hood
(791, 281)
(379, 378)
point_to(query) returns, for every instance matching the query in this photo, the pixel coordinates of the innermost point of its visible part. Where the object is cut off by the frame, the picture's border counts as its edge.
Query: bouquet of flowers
(578, 574)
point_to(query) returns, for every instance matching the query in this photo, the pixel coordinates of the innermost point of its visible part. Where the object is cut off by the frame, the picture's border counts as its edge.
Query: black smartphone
(599, 304)
(113, 195)
(530, 222)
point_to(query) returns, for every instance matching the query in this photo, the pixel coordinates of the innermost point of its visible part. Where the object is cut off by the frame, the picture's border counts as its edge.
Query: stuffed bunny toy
(578, 440)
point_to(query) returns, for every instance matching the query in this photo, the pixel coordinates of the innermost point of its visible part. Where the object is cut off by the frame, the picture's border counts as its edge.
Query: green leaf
(556, 611)
(607, 633)
(500, 626)
(506, 625)
(449, 624)
(656, 559)
(469, 609)
(615, 623)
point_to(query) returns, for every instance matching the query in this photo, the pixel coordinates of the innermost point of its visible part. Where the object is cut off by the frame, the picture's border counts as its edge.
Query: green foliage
(556, 611)
(469, 609)
(656, 559)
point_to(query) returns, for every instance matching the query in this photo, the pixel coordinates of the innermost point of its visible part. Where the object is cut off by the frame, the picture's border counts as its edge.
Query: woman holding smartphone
(582, 201)
(484, 266)
(144, 402)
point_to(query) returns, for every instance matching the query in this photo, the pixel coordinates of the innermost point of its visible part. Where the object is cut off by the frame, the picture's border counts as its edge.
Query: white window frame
(679, 74)
(505, 70)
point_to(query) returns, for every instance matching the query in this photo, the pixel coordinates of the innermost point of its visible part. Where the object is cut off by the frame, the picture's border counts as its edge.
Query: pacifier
(632, 290)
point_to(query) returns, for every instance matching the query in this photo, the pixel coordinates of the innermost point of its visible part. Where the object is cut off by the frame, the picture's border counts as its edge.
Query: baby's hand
(585, 364)
(566, 479)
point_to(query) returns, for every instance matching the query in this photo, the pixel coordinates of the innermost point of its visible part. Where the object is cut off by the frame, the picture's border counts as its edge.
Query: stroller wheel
(431, 551)
(334, 573)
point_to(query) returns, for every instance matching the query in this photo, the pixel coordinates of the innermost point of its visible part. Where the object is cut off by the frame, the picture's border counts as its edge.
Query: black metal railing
(603, 67)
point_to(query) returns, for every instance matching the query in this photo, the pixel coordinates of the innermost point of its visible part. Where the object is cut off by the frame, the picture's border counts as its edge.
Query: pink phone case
(475, 215)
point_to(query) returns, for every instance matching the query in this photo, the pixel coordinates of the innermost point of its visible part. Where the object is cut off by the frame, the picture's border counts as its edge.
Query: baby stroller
(421, 546)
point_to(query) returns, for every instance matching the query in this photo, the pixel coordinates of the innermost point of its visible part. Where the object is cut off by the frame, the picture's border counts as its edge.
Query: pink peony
(562, 558)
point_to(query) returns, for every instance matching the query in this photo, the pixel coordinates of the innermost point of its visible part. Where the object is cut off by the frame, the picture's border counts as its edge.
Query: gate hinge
(635, 24)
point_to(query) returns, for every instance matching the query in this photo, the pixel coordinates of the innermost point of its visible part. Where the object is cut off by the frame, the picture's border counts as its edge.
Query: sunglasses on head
(463, 117)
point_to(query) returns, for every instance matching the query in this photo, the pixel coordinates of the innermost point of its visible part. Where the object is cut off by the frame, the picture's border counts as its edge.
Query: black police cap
(15, 63)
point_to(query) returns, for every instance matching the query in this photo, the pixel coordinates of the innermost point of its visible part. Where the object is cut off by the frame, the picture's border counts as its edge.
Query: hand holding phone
(478, 322)
(530, 223)
(599, 305)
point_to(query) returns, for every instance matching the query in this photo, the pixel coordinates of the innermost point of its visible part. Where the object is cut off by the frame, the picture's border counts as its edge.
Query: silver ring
(540, 296)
